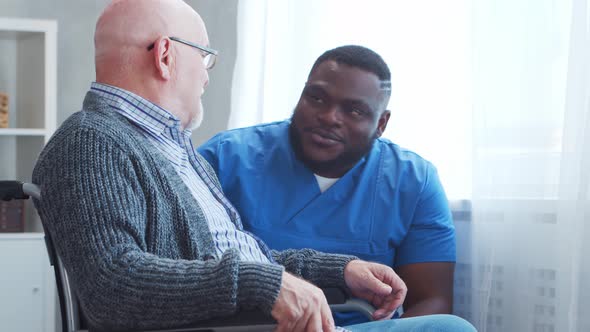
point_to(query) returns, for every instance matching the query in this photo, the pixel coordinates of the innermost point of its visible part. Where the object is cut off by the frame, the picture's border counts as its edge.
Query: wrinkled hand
(376, 283)
(301, 306)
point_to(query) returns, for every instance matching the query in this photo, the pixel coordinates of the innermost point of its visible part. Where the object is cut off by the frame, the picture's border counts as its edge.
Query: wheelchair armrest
(355, 305)
(241, 322)
(335, 295)
(339, 301)
(10, 190)
(246, 321)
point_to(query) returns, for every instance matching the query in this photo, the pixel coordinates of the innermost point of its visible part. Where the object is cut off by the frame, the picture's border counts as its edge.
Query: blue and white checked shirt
(163, 129)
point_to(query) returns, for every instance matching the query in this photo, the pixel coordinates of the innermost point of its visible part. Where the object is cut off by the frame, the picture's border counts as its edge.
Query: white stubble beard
(197, 119)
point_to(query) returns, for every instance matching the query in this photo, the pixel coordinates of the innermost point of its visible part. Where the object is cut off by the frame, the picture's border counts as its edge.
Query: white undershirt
(325, 183)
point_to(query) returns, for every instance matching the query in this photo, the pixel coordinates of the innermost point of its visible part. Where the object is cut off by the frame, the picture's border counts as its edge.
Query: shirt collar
(139, 110)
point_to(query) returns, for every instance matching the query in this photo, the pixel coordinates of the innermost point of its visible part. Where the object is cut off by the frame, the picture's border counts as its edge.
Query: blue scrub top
(390, 208)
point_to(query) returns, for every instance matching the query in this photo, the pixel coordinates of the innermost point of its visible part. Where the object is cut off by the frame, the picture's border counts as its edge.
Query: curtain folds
(496, 93)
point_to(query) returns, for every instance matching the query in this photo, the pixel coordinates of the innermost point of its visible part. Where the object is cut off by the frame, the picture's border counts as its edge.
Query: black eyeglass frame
(186, 42)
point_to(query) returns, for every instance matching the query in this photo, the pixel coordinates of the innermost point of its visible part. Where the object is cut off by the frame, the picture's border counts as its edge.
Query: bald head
(126, 27)
(131, 23)
(169, 73)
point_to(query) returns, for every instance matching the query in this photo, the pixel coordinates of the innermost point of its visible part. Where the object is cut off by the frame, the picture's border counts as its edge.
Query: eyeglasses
(208, 59)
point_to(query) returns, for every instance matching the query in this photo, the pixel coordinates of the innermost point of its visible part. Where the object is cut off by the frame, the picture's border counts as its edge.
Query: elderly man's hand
(378, 284)
(301, 306)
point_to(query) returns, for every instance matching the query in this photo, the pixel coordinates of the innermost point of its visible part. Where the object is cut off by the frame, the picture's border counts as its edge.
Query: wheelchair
(72, 317)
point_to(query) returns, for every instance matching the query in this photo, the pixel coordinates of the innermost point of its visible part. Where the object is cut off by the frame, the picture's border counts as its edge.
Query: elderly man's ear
(163, 58)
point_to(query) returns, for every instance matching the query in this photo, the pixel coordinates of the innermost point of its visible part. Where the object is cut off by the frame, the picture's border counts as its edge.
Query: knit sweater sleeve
(322, 269)
(94, 207)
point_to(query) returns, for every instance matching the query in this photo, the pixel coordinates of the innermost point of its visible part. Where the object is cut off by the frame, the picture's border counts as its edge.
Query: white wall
(76, 19)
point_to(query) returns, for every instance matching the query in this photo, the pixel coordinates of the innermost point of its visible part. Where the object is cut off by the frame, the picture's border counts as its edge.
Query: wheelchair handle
(10, 190)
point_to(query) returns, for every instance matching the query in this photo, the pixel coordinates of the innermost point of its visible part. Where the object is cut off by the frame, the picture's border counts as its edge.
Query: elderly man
(139, 218)
(326, 180)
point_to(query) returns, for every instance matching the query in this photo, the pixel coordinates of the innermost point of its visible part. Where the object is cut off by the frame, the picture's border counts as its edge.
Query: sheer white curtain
(531, 165)
(428, 54)
(496, 93)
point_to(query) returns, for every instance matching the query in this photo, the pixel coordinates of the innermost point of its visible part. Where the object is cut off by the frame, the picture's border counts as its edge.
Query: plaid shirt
(162, 129)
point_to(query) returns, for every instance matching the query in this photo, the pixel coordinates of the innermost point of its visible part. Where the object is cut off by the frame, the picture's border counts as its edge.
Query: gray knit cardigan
(135, 242)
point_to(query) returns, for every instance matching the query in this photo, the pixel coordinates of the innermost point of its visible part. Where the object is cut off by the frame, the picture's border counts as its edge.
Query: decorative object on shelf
(3, 110)
(12, 216)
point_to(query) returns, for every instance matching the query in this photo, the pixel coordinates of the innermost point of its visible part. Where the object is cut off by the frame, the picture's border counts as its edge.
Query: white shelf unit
(23, 132)
(27, 285)
(28, 74)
